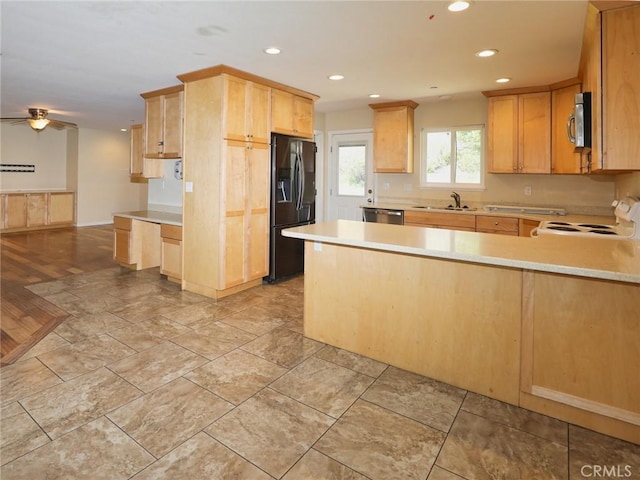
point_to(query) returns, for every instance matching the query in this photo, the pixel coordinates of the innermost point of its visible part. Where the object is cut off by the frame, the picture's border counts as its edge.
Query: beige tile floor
(146, 382)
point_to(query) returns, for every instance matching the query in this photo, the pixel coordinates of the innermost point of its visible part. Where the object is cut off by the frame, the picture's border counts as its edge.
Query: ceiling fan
(38, 120)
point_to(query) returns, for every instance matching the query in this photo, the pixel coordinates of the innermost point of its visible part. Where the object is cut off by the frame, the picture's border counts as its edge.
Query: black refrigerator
(293, 201)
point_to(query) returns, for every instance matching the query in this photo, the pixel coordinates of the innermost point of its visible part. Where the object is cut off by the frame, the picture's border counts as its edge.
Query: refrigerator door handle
(299, 180)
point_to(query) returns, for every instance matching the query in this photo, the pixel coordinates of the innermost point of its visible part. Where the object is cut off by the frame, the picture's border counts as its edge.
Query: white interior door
(350, 174)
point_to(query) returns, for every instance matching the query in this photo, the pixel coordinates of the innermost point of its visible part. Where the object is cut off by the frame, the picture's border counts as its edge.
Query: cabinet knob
(497, 223)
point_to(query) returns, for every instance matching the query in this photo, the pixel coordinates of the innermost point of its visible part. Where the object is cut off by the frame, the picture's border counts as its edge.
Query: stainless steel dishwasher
(383, 215)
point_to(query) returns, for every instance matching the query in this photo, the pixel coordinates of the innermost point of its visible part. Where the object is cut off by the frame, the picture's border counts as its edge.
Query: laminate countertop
(153, 216)
(601, 257)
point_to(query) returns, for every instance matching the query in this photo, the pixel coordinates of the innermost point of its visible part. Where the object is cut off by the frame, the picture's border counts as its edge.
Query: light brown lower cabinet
(452, 221)
(526, 226)
(171, 252)
(136, 243)
(499, 225)
(62, 208)
(37, 210)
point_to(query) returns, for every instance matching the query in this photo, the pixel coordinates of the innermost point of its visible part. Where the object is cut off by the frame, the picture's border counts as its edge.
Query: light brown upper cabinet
(519, 133)
(163, 122)
(291, 114)
(393, 136)
(610, 69)
(141, 167)
(246, 115)
(564, 159)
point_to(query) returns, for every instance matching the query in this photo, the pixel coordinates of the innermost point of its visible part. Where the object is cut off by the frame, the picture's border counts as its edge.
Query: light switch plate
(188, 187)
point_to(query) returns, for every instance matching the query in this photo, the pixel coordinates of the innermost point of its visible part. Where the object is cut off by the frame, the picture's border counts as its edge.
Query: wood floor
(33, 257)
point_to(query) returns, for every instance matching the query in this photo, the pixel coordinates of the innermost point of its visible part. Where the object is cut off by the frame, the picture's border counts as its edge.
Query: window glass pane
(439, 157)
(351, 170)
(468, 155)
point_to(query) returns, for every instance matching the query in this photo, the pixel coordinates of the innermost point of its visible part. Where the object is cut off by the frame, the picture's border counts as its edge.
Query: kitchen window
(453, 158)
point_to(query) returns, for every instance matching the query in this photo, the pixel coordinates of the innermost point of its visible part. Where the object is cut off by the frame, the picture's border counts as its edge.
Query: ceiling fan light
(38, 123)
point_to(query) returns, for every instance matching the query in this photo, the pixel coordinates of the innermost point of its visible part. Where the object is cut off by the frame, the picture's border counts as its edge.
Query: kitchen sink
(447, 208)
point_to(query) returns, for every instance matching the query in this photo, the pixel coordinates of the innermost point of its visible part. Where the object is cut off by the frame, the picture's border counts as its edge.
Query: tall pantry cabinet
(227, 170)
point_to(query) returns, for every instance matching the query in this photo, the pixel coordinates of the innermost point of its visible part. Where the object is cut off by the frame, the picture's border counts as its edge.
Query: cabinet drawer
(122, 223)
(444, 220)
(497, 224)
(171, 231)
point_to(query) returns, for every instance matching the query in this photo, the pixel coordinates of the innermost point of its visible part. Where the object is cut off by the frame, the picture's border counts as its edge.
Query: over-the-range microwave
(579, 122)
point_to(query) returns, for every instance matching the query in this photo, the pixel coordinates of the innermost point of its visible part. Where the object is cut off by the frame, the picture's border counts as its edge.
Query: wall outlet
(527, 190)
(408, 187)
(385, 186)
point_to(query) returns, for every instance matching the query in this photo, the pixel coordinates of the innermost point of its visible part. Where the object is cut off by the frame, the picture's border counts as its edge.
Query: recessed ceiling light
(445, 97)
(272, 50)
(123, 129)
(458, 6)
(374, 95)
(336, 77)
(486, 53)
(503, 80)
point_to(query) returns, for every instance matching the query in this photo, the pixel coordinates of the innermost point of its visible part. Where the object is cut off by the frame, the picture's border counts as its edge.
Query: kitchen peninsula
(549, 323)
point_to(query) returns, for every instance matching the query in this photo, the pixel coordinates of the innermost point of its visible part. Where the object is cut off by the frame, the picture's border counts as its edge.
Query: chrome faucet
(456, 197)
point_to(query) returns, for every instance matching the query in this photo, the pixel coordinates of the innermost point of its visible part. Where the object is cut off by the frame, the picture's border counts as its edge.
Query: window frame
(452, 185)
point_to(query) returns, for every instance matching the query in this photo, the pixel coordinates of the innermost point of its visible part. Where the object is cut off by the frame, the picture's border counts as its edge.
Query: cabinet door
(171, 253)
(502, 134)
(61, 208)
(592, 82)
(136, 151)
(303, 117)
(172, 125)
(563, 157)
(282, 112)
(154, 143)
(233, 213)
(565, 340)
(122, 248)
(258, 167)
(258, 114)
(247, 111)
(393, 140)
(534, 133)
(621, 89)
(235, 117)
(171, 258)
(16, 216)
(36, 209)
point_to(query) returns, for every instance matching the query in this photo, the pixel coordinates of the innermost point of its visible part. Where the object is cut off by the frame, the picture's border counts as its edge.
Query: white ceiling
(87, 62)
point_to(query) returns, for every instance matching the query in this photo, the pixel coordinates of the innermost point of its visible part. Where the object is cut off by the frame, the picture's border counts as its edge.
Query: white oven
(627, 226)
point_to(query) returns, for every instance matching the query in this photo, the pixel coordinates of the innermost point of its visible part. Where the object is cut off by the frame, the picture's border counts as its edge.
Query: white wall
(103, 177)
(576, 193)
(165, 194)
(19, 144)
